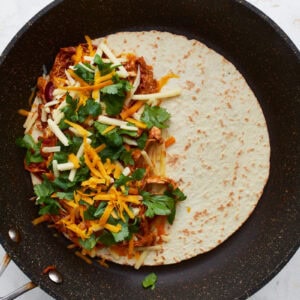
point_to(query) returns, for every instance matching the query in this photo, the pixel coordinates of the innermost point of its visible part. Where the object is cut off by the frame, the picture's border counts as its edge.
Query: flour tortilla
(221, 157)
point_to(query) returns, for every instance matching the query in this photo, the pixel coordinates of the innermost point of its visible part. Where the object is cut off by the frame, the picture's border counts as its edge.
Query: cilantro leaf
(27, 142)
(161, 205)
(33, 154)
(114, 96)
(113, 104)
(88, 243)
(61, 157)
(100, 126)
(106, 238)
(150, 281)
(91, 108)
(104, 68)
(65, 195)
(155, 116)
(126, 157)
(88, 214)
(138, 174)
(69, 111)
(44, 189)
(122, 234)
(100, 210)
(82, 71)
(141, 141)
(51, 206)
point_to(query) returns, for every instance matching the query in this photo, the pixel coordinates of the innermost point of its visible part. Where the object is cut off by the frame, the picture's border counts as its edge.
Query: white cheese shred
(111, 121)
(59, 134)
(65, 166)
(161, 95)
(129, 141)
(31, 120)
(141, 259)
(122, 71)
(135, 86)
(147, 158)
(51, 149)
(55, 169)
(126, 171)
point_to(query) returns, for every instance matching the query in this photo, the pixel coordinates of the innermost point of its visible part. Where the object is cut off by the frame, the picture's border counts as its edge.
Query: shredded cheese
(59, 134)
(160, 95)
(112, 121)
(122, 71)
(51, 149)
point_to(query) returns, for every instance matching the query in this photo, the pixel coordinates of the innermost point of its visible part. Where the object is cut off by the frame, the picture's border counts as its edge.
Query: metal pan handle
(19, 291)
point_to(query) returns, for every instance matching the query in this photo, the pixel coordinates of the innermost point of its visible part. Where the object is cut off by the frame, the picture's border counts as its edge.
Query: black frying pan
(271, 65)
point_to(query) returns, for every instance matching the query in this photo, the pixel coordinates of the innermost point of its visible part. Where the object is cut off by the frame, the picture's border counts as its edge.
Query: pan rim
(266, 19)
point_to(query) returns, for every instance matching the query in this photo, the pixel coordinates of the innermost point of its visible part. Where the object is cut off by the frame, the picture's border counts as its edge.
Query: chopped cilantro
(157, 204)
(51, 206)
(123, 234)
(85, 71)
(65, 195)
(155, 116)
(138, 174)
(100, 210)
(106, 238)
(104, 68)
(44, 191)
(114, 96)
(33, 154)
(91, 108)
(141, 141)
(69, 111)
(150, 281)
(88, 243)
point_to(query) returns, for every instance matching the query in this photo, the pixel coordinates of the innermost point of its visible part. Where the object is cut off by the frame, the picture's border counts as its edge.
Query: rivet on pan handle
(21, 290)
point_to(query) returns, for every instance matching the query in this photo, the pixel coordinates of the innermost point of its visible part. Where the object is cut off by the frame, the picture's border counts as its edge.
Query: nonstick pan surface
(270, 64)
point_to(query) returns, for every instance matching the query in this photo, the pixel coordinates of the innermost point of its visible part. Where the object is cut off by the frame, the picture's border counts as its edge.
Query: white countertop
(286, 13)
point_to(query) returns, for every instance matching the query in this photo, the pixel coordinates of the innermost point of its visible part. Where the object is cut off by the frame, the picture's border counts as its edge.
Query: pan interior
(258, 49)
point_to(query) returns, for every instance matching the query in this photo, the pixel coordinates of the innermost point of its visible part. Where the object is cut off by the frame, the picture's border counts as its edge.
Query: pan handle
(19, 291)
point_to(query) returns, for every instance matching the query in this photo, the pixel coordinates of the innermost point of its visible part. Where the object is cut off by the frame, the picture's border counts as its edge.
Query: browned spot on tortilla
(228, 135)
(197, 90)
(240, 153)
(225, 182)
(221, 207)
(187, 55)
(213, 218)
(194, 98)
(189, 84)
(229, 204)
(187, 146)
(173, 159)
(125, 41)
(228, 105)
(199, 214)
(191, 119)
(246, 169)
(221, 123)
(187, 232)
